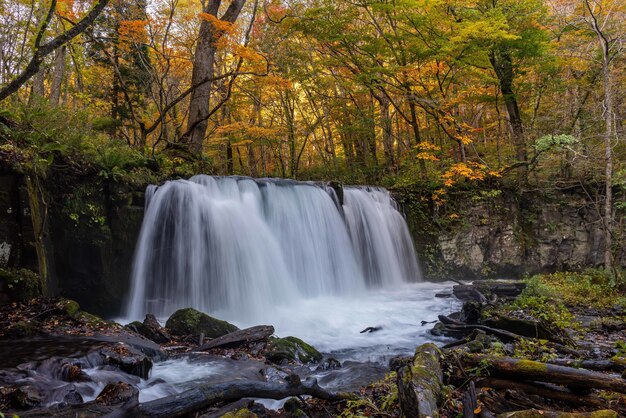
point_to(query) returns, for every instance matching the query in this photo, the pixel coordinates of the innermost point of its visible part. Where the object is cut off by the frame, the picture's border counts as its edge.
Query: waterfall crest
(238, 246)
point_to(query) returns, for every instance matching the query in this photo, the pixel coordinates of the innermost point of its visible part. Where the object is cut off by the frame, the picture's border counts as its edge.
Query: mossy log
(554, 392)
(420, 382)
(533, 370)
(536, 413)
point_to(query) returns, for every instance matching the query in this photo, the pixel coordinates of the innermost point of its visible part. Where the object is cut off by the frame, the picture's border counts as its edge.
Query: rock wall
(508, 234)
(91, 229)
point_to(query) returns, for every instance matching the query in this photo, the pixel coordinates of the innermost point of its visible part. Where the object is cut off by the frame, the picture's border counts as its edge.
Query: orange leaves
(220, 26)
(132, 32)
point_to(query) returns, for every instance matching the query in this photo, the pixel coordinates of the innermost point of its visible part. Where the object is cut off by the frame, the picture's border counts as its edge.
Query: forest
(178, 158)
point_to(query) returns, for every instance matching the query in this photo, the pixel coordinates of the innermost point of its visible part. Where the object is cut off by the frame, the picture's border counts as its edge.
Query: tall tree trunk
(203, 71)
(58, 72)
(503, 67)
(387, 129)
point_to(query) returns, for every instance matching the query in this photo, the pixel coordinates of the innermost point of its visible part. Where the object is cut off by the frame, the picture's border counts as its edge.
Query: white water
(239, 248)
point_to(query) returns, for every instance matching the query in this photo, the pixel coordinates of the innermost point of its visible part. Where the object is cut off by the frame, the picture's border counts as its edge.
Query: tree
(40, 51)
(212, 29)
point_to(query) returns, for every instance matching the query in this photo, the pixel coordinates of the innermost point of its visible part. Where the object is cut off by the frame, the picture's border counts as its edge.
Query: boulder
(151, 329)
(117, 393)
(240, 337)
(128, 359)
(291, 349)
(189, 321)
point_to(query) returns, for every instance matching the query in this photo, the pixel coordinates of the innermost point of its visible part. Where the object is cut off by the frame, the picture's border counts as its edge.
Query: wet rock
(73, 398)
(471, 312)
(189, 321)
(438, 329)
(24, 397)
(151, 329)
(127, 359)
(328, 364)
(291, 349)
(70, 307)
(240, 337)
(117, 393)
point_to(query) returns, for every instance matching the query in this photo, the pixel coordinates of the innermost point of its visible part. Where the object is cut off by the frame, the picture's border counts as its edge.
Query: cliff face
(508, 234)
(87, 228)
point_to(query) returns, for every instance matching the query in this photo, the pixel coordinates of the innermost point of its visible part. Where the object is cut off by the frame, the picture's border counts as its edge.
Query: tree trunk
(503, 67)
(58, 73)
(203, 69)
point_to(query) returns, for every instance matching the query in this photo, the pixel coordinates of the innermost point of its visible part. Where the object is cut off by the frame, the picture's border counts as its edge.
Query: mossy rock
(241, 413)
(189, 321)
(291, 349)
(26, 328)
(69, 306)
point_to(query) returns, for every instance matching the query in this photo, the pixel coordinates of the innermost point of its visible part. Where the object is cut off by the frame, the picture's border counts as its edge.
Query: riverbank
(567, 320)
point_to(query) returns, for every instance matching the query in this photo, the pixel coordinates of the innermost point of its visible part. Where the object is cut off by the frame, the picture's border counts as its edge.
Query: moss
(192, 322)
(70, 307)
(531, 366)
(291, 349)
(21, 284)
(241, 413)
(24, 329)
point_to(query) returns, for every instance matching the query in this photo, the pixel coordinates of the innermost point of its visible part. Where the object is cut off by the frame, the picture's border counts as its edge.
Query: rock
(24, 328)
(73, 397)
(189, 321)
(420, 383)
(24, 397)
(151, 329)
(240, 337)
(117, 393)
(328, 364)
(438, 329)
(471, 312)
(293, 408)
(127, 359)
(70, 307)
(291, 349)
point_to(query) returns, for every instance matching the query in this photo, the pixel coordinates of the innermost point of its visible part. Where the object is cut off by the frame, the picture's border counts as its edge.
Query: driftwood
(204, 396)
(420, 382)
(500, 333)
(533, 370)
(193, 400)
(239, 337)
(556, 393)
(537, 413)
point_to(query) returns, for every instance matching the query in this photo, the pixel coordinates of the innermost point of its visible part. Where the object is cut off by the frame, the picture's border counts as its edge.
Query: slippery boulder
(151, 329)
(128, 359)
(291, 349)
(189, 321)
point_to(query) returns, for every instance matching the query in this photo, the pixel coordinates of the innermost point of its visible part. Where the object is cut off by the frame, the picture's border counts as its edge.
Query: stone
(127, 359)
(188, 321)
(151, 329)
(117, 393)
(291, 349)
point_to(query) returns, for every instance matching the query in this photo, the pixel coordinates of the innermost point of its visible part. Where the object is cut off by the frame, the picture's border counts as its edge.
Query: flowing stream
(287, 254)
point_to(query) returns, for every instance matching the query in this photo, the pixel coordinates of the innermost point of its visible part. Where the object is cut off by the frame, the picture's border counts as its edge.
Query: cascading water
(239, 247)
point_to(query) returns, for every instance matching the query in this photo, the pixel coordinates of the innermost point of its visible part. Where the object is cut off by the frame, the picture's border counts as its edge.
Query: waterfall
(240, 246)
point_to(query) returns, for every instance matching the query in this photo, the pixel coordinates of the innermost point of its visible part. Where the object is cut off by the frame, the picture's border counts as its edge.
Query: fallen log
(420, 382)
(500, 333)
(204, 396)
(556, 393)
(193, 400)
(534, 370)
(537, 413)
(597, 365)
(239, 337)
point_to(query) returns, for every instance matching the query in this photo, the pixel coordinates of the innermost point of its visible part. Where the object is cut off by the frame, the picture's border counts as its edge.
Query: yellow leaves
(426, 151)
(467, 171)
